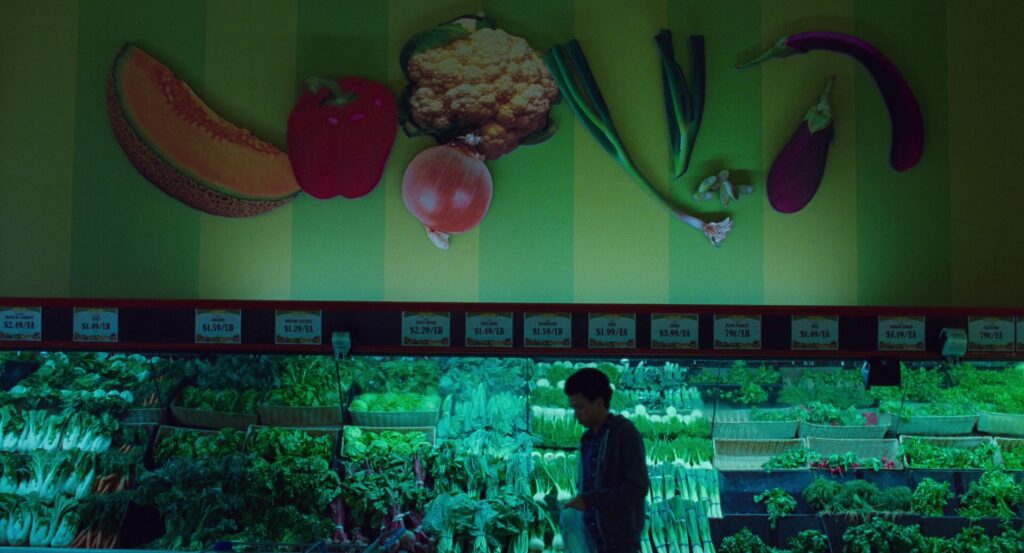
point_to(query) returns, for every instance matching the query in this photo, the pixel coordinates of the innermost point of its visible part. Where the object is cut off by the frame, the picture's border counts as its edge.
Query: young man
(613, 472)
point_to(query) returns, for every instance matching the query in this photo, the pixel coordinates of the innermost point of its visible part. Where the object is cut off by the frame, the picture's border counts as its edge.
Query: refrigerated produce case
(286, 449)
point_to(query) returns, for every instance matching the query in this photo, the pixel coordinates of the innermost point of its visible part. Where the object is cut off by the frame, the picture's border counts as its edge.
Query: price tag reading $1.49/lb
(91, 324)
(489, 330)
(218, 326)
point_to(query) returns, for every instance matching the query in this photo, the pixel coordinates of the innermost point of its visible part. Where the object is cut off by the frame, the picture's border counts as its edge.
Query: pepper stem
(780, 50)
(336, 97)
(819, 117)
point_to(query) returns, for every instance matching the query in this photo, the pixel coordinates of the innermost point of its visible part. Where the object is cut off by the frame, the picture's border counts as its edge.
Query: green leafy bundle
(395, 402)
(996, 494)
(361, 445)
(403, 374)
(931, 498)
(926, 455)
(188, 444)
(856, 498)
(738, 383)
(778, 504)
(307, 381)
(461, 375)
(272, 444)
(792, 458)
(842, 389)
(223, 401)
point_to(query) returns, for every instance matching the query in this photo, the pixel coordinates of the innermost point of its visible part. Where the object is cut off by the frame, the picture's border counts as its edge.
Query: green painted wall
(566, 223)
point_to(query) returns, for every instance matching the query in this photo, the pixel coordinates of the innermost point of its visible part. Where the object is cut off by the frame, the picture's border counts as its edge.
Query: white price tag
(737, 332)
(547, 330)
(901, 333)
(90, 324)
(815, 333)
(489, 330)
(218, 326)
(990, 334)
(1020, 333)
(297, 327)
(611, 330)
(426, 329)
(674, 331)
(21, 324)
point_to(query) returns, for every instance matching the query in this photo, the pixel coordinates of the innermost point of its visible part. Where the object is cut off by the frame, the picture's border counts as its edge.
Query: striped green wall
(566, 223)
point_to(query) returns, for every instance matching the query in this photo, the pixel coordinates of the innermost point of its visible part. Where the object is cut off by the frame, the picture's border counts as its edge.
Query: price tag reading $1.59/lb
(547, 330)
(218, 326)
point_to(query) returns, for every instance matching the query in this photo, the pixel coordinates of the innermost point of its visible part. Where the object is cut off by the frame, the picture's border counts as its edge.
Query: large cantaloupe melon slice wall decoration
(180, 145)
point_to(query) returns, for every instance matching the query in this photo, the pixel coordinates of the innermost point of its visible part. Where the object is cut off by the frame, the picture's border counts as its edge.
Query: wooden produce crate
(736, 424)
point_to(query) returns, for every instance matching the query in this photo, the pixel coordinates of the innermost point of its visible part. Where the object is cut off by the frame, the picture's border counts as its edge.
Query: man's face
(587, 412)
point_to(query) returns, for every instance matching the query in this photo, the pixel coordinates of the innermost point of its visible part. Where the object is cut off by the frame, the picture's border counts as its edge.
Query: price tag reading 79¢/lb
(901, 333)
(218, 326)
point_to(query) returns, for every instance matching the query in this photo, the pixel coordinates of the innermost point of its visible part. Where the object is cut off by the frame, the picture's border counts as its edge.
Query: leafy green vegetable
(738, 383)
(777, 502)
(462, 375)
(843, 389)
(931, 498)
(856, 498)
(880, 535)
(744, 541)
(224, 401)
(272, 444)
(379, 375)
(189, 444)
(996, 495)
(307, 381)
(361, 444)
(923, 454)
(809, 541)
(792, 458)
(395, 402)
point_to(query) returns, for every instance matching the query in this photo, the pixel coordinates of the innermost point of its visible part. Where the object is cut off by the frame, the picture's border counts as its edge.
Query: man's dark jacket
(621, 486)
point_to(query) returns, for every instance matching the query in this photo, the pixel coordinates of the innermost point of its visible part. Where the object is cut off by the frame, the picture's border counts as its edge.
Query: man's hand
(576, 503)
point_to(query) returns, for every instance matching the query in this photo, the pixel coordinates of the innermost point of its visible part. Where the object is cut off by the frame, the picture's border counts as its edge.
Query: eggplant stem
(780, 50)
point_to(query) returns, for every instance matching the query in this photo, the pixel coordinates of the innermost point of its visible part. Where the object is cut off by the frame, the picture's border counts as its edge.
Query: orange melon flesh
(184, 148)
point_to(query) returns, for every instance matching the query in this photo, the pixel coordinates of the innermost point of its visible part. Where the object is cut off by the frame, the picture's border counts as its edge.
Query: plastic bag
(575, 536)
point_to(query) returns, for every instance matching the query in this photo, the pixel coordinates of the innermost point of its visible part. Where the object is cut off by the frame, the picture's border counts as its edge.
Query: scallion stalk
(684, 104)
(572, 74)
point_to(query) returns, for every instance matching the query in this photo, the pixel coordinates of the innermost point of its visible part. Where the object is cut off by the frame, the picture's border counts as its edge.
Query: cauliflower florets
(490, 83)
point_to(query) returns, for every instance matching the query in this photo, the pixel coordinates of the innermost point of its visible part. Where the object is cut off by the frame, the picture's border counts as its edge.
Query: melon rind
(165, 175)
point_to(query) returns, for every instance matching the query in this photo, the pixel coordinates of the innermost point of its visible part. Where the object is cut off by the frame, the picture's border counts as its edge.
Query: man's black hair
(591, 384)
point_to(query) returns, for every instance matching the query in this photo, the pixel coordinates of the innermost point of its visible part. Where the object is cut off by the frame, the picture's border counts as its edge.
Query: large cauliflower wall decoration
(468, 77)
